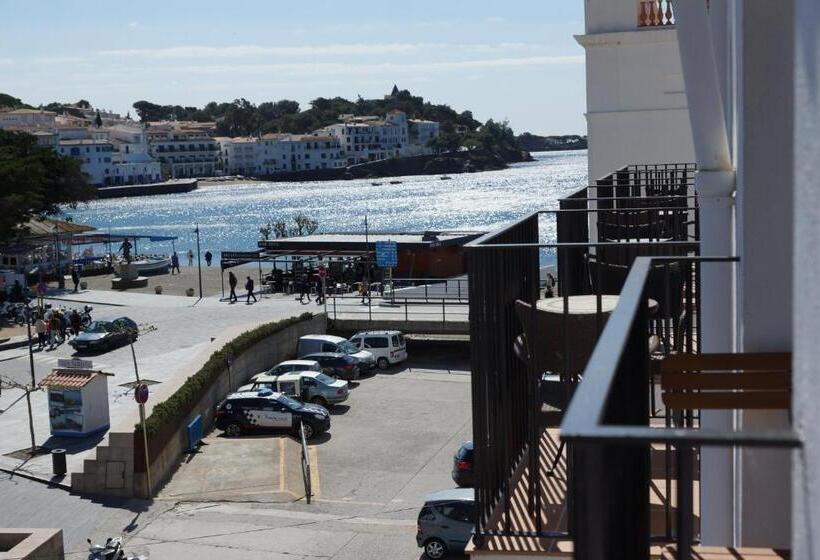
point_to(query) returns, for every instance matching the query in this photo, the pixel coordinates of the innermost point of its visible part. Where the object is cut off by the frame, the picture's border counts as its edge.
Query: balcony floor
(554, 507)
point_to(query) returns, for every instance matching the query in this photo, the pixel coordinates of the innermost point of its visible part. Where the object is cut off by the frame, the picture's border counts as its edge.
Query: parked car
(307, 386)
(337, 364)
(387, 347)
(101, 336)
(463, 465)
(252, 411)
(290, 366)
(313, 343)
(446, 522)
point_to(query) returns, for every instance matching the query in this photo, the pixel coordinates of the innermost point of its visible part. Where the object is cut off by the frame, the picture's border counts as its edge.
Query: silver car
(308, 386)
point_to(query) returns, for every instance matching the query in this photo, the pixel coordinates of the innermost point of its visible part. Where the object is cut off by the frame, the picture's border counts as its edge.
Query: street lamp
(198, 260)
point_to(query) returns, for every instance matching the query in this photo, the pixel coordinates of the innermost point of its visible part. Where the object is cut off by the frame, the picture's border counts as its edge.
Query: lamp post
(142, 421)
(198, 260)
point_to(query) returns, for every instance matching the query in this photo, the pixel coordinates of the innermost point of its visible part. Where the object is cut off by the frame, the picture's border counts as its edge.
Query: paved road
(389, 448)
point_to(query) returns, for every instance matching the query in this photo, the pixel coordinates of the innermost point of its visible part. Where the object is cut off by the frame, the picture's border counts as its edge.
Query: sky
(513, 59)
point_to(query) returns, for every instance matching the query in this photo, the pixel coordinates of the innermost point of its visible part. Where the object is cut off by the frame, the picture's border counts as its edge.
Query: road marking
(237, 509)
(281, 464)
(315, 485)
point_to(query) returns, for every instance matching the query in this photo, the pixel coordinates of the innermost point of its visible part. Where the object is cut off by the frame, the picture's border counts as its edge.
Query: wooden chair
(726, 381)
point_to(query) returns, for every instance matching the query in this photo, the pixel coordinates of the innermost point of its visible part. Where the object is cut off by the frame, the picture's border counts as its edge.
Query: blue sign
(387, 254)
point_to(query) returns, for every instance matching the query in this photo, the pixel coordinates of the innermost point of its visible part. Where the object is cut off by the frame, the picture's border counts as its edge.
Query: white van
(315, 343)
(388, 347)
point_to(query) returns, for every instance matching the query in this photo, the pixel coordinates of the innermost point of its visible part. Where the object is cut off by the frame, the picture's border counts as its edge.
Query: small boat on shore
(376, 184)
(395, 182)
(152, 264)
(445, 178)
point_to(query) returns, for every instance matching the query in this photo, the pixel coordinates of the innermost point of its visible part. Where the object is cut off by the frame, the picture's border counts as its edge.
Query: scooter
(111, 550)
(85, 316)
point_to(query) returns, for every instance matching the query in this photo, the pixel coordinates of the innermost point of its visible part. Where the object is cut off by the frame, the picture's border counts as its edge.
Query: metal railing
(507, 393)
(608, 431)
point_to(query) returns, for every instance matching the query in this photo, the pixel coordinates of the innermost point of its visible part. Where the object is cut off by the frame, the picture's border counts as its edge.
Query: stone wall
(31, 544)
(112, 472)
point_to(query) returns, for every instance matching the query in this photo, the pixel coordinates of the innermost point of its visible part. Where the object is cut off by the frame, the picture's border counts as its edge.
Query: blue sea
(229, 215)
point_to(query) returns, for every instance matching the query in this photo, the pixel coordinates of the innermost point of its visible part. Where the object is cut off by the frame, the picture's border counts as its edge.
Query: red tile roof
(69, 378)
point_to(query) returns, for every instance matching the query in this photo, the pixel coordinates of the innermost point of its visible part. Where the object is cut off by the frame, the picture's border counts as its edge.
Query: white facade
(278, 153)
(421, 133)
(636, 105)
(240, 156)
(96, 157)
(370, 138)
(27, 118)
(183, 149)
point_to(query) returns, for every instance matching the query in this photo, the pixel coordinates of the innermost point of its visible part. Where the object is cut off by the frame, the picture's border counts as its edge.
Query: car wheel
(435, 549)
(383, 363)
(308, 430)
(320, 401)
(233, 430)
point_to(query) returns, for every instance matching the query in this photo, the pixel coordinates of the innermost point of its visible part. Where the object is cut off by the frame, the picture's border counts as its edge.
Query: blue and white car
(264, 410)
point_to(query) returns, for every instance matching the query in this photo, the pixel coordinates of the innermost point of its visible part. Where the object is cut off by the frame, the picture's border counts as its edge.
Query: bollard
(58, 462)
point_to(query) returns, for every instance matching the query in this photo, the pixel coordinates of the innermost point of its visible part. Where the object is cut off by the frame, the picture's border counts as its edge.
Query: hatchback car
(446, 522)
(307, 386)
(313, 343)
(463, 465)
(336, 364)
(387, 347)
(101, 336)
(265, 410)
(290, 366)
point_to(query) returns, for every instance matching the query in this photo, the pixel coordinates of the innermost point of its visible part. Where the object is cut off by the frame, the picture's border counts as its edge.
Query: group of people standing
(249, 285)
(54, 326)
(209, 257)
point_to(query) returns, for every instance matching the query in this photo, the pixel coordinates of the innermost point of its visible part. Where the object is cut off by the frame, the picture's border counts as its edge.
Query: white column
(805, 378)
(764, 225)
(714, 184)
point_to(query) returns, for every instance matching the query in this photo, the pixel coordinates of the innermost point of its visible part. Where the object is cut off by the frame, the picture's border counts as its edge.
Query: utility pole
(367, 269)
(30, 344)
(198, 260)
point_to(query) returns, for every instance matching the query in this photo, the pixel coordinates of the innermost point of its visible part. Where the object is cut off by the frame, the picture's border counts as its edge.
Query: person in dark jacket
(320, 295)
(232, 281)
(175, 263)
(75, 278)
(208, 257)
(249, 287)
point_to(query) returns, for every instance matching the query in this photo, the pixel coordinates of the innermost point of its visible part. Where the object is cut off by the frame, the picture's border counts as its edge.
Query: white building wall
(805, 378)
(635, 93)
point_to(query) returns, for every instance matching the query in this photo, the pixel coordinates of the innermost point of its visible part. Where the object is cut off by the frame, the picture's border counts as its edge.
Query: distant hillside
(535, 143)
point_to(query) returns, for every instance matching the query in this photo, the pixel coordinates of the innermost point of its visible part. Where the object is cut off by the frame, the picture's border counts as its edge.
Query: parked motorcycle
(111, 550)
(85, 316)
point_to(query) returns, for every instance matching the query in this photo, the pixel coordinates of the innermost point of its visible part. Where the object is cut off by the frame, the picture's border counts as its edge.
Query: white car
(290, 366)
(388, 347)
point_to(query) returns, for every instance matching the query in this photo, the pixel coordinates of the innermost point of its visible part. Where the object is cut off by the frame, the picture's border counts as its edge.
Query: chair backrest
(726, 381)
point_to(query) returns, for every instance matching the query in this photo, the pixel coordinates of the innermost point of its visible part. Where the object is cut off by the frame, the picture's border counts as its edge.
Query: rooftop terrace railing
(655, 13)
(654, 213)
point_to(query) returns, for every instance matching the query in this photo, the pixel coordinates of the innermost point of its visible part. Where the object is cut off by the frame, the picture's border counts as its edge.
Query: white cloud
(382, 68)
(495, 19)
(133, 24)
(57, 60)
(256, 50)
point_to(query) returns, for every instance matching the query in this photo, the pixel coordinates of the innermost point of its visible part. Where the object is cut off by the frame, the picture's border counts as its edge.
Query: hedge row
(179, 405)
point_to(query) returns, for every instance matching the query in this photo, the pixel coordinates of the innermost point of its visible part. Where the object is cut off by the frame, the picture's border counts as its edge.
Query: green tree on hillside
(36, 181)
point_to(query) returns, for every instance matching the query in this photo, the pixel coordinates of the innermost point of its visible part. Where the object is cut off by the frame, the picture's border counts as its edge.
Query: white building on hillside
(133, 164)
(35, 119)
(183, 149)
(636, 103)
(95, 155)
(371, 138)
(239, 156)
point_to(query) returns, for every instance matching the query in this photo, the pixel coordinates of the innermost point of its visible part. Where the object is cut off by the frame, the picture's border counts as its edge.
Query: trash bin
(58, 462)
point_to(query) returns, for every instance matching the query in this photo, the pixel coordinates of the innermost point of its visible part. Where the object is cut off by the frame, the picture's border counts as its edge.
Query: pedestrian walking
(208, 258)
(53, 330)
(190, 257)
(40, 329)
(303, 289)
(76, 322)
(320, 295)
(175, 263)
(232, 281)
(75, 278)
(249, 287)
(364, 290)
(63, 326)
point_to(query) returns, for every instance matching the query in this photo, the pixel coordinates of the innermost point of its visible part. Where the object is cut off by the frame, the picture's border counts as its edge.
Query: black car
(335, 364)
(265, 410)
(463, 465)
(101, 336)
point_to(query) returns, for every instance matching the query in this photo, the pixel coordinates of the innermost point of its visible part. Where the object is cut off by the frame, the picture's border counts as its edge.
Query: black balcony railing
(652, 212)
(610, 434)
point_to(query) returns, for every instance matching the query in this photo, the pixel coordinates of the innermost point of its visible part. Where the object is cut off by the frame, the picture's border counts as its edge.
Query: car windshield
(347, 347)
(326, 379)
(292, 404)
(98, 327)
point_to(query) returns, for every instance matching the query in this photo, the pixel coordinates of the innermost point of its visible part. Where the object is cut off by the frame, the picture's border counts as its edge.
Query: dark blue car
(264, 410)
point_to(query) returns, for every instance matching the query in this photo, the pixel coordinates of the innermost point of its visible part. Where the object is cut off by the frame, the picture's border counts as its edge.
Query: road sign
(387, 254)
(74, 363)
(141, 393)
(322, 272)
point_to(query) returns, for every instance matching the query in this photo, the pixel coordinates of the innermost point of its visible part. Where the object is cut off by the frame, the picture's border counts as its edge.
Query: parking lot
(389, 446)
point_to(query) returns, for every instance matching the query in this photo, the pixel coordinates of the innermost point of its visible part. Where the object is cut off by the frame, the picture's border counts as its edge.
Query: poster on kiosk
(77, 399)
